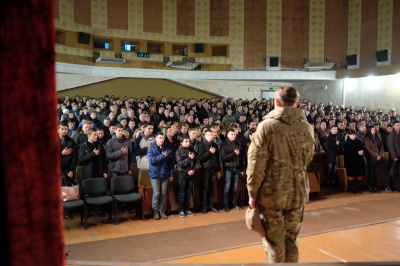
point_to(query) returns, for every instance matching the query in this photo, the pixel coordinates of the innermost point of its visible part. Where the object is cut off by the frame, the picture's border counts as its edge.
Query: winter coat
(159, 165)
(393, 142)
(68, 162)
(278, 156)
(119, 162)
(230, 160)
(209, 161)
(331, 148)
(353, 162)
(88, 159)
(374, 147)
(183, 162)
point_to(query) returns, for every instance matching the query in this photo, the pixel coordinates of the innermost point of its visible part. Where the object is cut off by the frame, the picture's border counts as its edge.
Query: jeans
(159, 190)
(396, 185)
(185, 191)
(209, 179)
(230, 175)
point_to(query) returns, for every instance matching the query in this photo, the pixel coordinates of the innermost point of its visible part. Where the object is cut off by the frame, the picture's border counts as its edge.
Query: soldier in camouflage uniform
(277, 178)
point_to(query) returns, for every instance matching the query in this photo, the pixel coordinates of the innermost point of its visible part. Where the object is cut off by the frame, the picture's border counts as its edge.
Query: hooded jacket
(281, 149)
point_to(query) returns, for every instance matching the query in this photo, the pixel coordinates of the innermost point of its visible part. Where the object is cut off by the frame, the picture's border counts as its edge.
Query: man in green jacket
(277, 179)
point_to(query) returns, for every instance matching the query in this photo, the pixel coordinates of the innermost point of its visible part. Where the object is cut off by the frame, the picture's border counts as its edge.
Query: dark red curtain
(31, 221)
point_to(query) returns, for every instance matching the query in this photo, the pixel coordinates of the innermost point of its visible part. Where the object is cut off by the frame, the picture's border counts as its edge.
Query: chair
(95, 194)
(122, 189)
(71, 205)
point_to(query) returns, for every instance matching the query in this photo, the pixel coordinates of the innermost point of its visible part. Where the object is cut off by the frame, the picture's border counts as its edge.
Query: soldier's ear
(277, 102)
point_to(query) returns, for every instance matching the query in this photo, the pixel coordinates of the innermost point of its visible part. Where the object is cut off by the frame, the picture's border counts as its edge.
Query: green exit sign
(145, 55)
(271, 88)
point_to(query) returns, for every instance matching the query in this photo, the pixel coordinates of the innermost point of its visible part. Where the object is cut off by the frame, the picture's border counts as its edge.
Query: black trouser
(185, 191)
(208, 181)
(374, 166)
(330, 175)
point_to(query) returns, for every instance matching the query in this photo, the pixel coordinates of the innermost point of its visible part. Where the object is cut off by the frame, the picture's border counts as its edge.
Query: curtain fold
(31, 211)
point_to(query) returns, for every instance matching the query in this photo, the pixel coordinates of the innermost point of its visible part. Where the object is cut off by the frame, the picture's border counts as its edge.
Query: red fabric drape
(31, 228)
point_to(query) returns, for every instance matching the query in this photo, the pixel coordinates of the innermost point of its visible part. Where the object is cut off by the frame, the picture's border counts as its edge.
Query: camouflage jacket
(282, 147)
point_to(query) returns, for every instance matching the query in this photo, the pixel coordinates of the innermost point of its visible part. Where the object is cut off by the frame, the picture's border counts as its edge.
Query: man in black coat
(232, 159)
(92, 156)
(208, 155)
(332, 148)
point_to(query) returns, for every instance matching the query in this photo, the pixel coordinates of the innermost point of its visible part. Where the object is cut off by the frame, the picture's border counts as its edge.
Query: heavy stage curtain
(31, 222)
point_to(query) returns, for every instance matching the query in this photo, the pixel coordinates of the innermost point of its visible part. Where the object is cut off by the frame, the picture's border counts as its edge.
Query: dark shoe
(371, 189)
(156, 215)
(127, 211)
(226, 208)
(376, 190)
(162, 214)
(214, 209)
(68, 216)
(387, 189)
(182, 214)
(190, 213)
(237, 207)
(204, 211)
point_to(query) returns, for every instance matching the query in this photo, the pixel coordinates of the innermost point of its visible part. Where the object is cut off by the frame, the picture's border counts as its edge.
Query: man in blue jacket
(161, 169)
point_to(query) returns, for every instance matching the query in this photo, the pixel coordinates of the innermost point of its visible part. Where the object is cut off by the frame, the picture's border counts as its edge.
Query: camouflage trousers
(282, 228)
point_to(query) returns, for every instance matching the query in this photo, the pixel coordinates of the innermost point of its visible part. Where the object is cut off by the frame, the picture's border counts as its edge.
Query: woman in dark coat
(374, 146)
(354, 161)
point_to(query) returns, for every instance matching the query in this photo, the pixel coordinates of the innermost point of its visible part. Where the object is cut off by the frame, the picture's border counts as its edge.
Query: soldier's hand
(212, 150)
(237, 151)
(70, 174)
(191, 172)
(252, 203)
(67, 151)
(191, 155)
(165, 153)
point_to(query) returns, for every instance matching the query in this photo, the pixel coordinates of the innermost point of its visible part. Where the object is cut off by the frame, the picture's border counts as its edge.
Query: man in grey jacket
(393, 143)
(119, 153)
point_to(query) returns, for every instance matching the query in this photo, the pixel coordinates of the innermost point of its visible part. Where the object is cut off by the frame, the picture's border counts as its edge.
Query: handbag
(253, 221)
(69, 193)
(69, 190)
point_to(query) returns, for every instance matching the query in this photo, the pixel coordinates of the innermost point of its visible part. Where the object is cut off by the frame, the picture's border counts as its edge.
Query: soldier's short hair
(287, 95)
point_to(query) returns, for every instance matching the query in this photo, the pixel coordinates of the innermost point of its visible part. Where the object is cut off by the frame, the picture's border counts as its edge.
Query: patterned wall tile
(274, 27)
(385, 17)
(236, 28)
(354, 28)
(99, 15)
(316, 31)
(202, 29)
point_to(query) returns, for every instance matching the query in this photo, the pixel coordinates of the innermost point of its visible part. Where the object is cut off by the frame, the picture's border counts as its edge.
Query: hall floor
(369, 244)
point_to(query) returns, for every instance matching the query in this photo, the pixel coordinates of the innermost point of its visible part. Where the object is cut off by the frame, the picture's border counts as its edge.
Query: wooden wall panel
(82, 12)
(185, 17)
(396, 33)
(255, 34)
(153, 16)
(295, 19)
(336, 23)
(369, 33)
(117, 14)
(219, 18)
